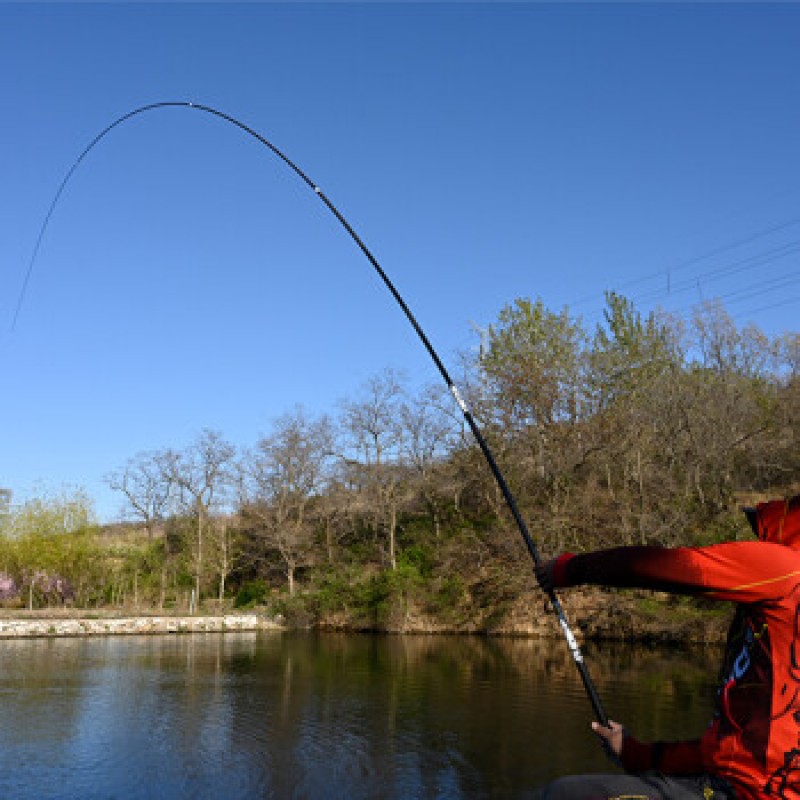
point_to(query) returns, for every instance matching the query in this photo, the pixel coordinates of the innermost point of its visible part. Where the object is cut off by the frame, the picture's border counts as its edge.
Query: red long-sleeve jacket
(753, 740)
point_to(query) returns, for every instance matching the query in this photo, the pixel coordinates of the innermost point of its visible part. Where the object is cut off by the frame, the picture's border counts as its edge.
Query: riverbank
(594, 615)
(72, 623)
(645, 617)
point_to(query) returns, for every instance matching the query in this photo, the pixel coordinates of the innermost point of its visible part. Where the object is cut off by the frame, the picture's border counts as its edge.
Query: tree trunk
(393, 536)
(199, 562)
(329, 539)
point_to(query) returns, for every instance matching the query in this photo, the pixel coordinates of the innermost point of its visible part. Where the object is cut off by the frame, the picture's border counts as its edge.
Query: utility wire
(681, 265)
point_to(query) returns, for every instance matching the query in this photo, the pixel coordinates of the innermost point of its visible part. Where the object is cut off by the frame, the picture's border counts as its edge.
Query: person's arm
(744, 572)
(671, 758)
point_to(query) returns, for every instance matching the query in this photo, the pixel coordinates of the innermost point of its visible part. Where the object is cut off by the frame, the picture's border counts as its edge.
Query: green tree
(533, 360)
(634, 363)
(67, 512)
(49, 543)
(533, 363)
(5, 508)
(629, 353)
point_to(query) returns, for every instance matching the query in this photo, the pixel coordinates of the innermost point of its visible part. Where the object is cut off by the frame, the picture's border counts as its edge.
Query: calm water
(322, 716)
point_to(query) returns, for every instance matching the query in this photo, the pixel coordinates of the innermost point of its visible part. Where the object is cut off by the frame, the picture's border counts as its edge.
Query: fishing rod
(572, 643)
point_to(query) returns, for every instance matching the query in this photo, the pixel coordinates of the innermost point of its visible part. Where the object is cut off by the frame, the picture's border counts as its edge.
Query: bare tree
(146, 482)
(333, 509)
(284, 475)
(225, 551)
(726, 349)
(788, 355)
(373, 433)
(202, 475)
(430, 436)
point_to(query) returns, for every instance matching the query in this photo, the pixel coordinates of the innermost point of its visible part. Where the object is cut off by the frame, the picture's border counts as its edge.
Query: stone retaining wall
(111, 626)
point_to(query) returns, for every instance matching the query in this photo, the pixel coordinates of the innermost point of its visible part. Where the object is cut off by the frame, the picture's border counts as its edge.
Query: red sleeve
(744, 572)
(560, 566)
(671, 758)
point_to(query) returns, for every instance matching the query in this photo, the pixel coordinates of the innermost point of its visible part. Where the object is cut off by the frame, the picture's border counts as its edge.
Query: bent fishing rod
(572, 643)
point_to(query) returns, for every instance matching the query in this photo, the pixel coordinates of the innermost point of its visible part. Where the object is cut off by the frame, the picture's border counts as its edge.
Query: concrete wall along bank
(20, 628)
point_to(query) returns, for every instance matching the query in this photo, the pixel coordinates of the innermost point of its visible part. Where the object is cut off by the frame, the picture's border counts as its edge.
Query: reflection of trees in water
(102, 710)
(33, 674)
(478, 715)
(668, 692)
(308, 715)
(359, 716)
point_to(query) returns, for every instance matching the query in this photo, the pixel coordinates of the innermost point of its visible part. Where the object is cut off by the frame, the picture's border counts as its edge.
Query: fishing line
(473, 426)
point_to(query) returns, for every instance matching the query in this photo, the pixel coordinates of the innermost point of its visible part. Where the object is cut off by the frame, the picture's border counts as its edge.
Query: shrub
(251, 593)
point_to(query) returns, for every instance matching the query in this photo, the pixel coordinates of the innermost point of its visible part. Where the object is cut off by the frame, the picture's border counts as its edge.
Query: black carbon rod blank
(572, 644)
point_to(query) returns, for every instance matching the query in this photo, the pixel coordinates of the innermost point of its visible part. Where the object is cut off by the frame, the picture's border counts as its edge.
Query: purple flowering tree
(8, 587)
(54, 589)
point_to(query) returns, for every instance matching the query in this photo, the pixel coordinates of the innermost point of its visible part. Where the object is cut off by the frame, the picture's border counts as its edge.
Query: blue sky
(482, 151)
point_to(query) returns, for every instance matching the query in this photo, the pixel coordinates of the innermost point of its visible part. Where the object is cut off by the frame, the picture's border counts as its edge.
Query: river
(302, 715)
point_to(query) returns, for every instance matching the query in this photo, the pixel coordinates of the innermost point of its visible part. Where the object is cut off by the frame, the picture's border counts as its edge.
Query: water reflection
(323, 716)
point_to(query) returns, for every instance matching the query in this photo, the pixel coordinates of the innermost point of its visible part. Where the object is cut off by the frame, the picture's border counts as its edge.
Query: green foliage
(447, 599)
(5, 509)
(335, 592)
(297, 611)
(251, 593)
(418, 560)
(69, 512)
(532, 358)
(629, 353)
(645, 430)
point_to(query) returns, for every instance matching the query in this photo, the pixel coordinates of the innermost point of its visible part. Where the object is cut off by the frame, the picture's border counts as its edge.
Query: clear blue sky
(483, 151)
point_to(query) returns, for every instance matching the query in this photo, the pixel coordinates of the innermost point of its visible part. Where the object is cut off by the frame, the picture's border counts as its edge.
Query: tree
(629, 353)
(782, 464)
(225, 551)
(202, 475)
(333, 512)
(533, 359)
(5, 507)
(725, 349)
(8, 587)
(430, 437)
(633, 365)
(533, 362)
(373, 436)
(49, 550)
(147, 483)
(788, 355)
(728, 404)
(284, 475)
(68, 512)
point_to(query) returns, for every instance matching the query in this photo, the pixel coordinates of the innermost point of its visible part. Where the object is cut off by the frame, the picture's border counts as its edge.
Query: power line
(660, 274)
